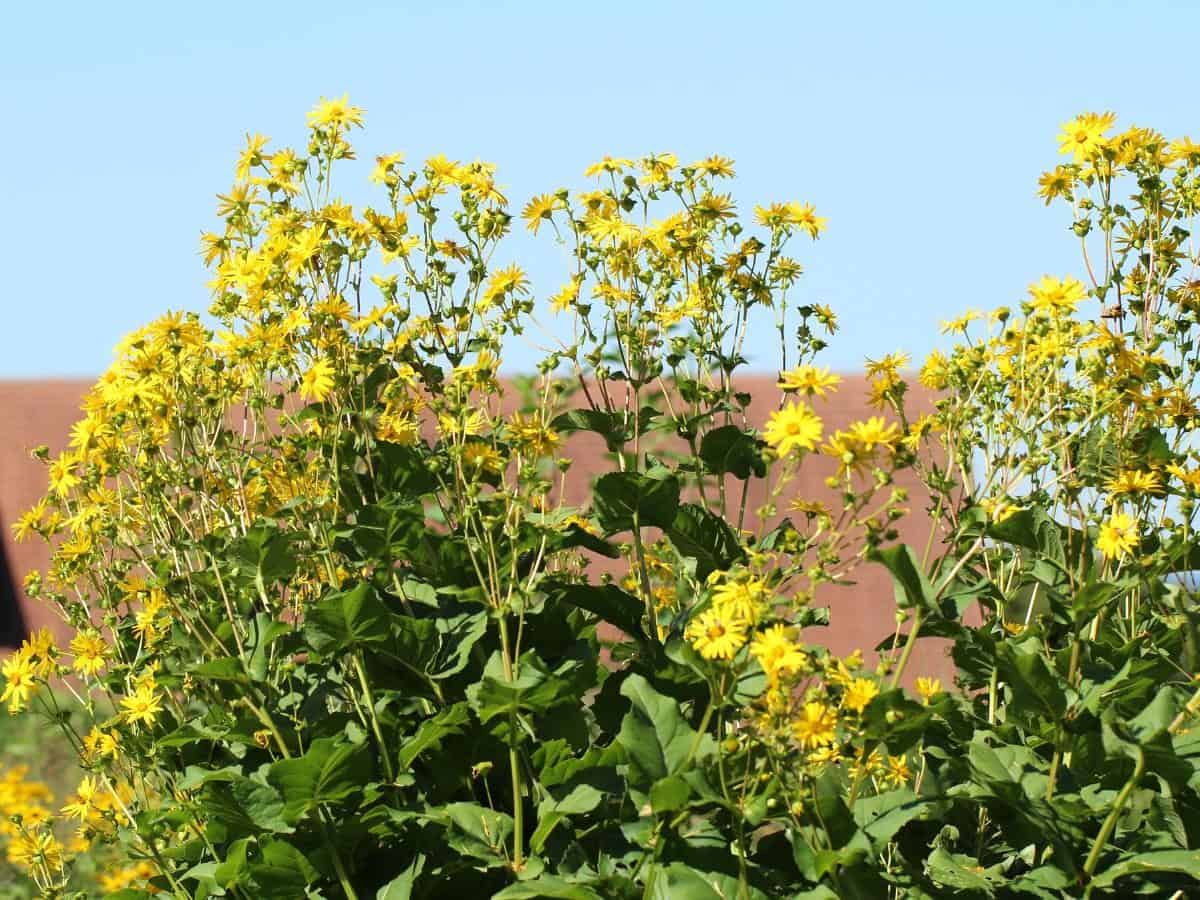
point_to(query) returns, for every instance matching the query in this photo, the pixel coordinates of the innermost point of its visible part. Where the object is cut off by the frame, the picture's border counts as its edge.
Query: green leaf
(429, 736)
(669, 794)
(654, 734)
(261, 803)
(476, 831)
(913, 589)
(400, 887)
(616, 428)
(1183, 862)
(347, 619)
(706, 537)
(330, 771)
(652, 497)
(1036, 688)
(607, 601)
(960, 872)
(281, 872)
(730, 450)
(884, 814)
(550, 886)
(534, 690)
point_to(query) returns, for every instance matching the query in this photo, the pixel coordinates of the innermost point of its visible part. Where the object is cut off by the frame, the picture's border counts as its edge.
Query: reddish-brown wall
(42, 412)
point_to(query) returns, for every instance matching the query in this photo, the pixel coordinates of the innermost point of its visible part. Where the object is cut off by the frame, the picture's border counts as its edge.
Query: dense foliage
(339, 631)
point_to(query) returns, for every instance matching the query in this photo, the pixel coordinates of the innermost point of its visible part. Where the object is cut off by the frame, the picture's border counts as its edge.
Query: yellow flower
(928, 687)
(898, 773)
(999, 509)
(1057, 296)
(1134, 481)
(1118, 536)
(809, 379)
(84, 802)
(795, 427)
(91, 653)
(384, 173)
(317, 382)
(40, 847)
(1058, 183)
(815, 726)
(19, 673)
(741, 599)
(717, 166)
(859, 692)
(143, 705)
(532, 437)
(613, 165)
(502, 282)
(716, 635)
(777, 653)
(538, 209)
(98, 744)
(1083, 136)
(30, 521)
(337, 112)
(565, 298)
(478, 456)
(875, 433)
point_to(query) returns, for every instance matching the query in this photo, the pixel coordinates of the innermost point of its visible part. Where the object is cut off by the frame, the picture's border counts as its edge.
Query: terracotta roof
(41, 412)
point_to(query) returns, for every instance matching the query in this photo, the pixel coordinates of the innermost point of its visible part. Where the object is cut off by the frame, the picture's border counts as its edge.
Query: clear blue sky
(918, 129)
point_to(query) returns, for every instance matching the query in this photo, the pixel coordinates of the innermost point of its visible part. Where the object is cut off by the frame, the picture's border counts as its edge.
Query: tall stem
(514, 760)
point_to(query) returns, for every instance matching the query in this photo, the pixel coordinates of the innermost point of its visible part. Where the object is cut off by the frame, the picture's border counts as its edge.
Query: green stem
(1110, 823)
(366, 688)
(514, 760)
(338, 865)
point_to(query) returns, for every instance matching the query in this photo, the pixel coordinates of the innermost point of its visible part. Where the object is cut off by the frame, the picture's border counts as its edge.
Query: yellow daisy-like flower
(1056, 296)
(795, 427)
(809, 380)
(317, 382)
(336, 112)
(859, 692)
(815, 726)
(91, 653)
(20, 682)
(777, 653)
(1083, 136)
(742, 599)
(928, 688)
(898, 774)
(1118, 536)
(1134, 481)
(716, 635)
(143, 705)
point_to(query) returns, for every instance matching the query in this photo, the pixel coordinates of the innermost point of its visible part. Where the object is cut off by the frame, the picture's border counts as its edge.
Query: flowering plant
(339, 630)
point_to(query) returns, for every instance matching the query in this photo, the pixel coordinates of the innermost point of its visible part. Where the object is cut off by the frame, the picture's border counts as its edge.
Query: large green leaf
(607, 601)
(913, 589)
(1037, 689)
(401, 887)
(534, 689)
(329, 772)
(730, 450)
(429, 736)
(652, 497)
(346, 619)
(655, 735)
(706, 537)
(1183, 862)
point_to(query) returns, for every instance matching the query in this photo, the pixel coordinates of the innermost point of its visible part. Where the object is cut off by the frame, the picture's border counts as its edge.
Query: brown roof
(41, 412)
